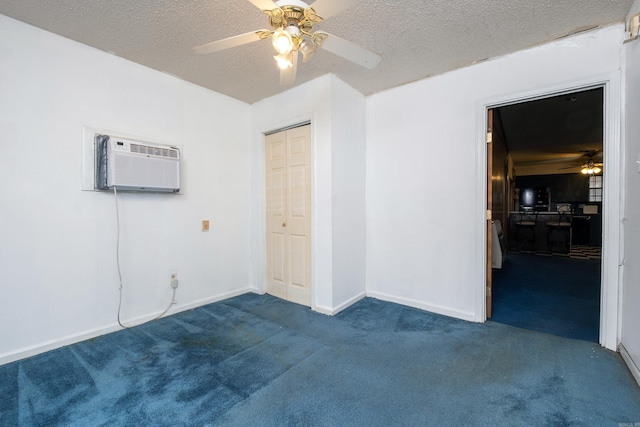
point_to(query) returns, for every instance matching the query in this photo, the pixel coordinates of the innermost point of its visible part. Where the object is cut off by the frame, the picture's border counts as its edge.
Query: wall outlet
(174, 280)
(205, 225)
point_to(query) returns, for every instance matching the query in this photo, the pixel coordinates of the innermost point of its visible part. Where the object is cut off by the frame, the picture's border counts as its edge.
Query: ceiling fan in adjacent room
(292, 33)
(590, 167)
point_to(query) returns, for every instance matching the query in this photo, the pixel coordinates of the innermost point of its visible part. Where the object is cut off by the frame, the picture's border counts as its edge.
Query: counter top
(532, 213)
(578, 215)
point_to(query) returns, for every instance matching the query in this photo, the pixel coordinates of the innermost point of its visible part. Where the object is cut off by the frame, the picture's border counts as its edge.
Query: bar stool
(526, 231)
(559, 231)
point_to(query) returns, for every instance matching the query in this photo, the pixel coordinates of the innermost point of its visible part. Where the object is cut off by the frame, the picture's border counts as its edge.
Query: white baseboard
(458, 314)
(75, 338)
(335, 310)
(348, 303)
(72, 339)
(322, 310)
(631, 364)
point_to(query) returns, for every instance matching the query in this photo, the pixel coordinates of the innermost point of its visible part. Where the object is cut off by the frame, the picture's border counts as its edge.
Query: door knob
(284, 224)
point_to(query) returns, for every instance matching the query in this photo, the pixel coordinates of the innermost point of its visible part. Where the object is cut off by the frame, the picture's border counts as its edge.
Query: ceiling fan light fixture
(587, 170)
(590, 168)
(293, 30)
(284, 60)
(307, 50)
(282, 41)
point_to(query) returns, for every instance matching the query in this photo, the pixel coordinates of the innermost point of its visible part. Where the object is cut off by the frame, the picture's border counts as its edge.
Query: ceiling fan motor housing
(297, 20)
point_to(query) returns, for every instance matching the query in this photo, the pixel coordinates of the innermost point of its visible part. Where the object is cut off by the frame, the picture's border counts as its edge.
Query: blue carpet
(260, 361)
(552, 294)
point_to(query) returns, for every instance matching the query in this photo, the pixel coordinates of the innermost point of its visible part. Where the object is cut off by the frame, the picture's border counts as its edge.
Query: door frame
(613, 194)
(489, 223)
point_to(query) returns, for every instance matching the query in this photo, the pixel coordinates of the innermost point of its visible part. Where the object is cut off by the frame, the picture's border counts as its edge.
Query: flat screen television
(527, 198)
(534, 199)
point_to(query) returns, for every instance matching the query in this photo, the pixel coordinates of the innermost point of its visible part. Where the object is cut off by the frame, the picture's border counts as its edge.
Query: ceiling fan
(590, 167)
(292, 33)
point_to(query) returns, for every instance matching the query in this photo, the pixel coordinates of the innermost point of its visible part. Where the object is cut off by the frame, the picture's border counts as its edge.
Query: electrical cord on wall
(121, 288)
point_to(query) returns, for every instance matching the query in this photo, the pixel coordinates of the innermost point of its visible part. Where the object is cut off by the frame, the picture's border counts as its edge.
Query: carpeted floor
(260, 361)
(558, 295)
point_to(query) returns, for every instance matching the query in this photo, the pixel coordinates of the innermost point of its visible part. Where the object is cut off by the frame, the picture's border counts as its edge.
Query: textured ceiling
(416, 38)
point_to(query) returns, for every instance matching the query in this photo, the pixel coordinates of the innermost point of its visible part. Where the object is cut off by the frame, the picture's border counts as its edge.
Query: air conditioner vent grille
(154, 151)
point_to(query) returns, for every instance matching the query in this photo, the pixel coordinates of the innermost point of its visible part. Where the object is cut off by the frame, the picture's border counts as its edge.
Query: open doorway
(545, 190)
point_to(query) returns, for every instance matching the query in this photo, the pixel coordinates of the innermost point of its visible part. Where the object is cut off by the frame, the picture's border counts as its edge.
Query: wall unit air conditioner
(136, 166)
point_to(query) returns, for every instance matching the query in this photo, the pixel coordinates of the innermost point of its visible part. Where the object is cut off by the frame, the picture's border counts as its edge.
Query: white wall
(57, 244)
(631, 290)
(426, 163)
(348, 196)
(336, 283)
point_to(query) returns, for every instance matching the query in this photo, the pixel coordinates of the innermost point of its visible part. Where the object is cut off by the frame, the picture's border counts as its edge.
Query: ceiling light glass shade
(591, 170)
(282, 41)
(284, 61)
(307, 50)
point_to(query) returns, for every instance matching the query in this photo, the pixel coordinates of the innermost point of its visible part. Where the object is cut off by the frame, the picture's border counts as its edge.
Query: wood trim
(489, 272)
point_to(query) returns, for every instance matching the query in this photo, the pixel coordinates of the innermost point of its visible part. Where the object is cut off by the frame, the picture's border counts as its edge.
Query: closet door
(288, 166)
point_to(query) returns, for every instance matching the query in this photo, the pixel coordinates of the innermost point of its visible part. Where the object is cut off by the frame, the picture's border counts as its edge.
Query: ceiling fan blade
(264, 4)
(232, 41)
(351, 51)
(589, 153)
(288, 75)
(328, 8)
